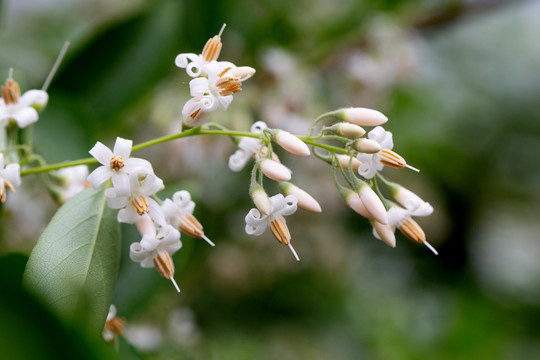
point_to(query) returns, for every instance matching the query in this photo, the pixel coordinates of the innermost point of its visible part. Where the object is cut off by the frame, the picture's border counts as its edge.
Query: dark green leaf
(73, 266)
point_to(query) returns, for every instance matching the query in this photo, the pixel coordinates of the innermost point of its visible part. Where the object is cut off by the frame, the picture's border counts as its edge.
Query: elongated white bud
(363, 116)
(275, 170)
(385, 233)
(353, 200)
(305, 201)
(373, 204)
(291, 143)
(350, 131)
(367, 146)
(344, 160)
(242, 73)
(146, 226)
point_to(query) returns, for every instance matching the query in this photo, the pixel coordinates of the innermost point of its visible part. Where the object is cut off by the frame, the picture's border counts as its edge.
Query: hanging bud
(146, 226)
(305, 201)
(362, 116)
(347, 130)
(261, 199)
(384, 233)
(242, 73)
(275, 170)
(291, 143)
(372, 203)
(367, 146)
(345, 160)
(353, 200)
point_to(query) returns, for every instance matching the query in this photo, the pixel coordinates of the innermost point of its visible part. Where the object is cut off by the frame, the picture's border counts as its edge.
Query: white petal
(183, 200)
(25, 116)
(99, 176)
(128, 215)
(238, 160)
(102, 154)
(151, 185)
(138, 166)
(199, 87)
(283, 206)
(155, 212)
(169, 208)
(120, 183)
(224, 101)
(181, 60)
(258, 127)
(34, 98)
(137, 253)
(12, 173)
(1, 161)
(423, 209)
(122, 147)
(255, 222)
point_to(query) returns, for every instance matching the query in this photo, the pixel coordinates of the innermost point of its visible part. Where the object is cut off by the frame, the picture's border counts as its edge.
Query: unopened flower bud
(146, 226)
(275, 170)
(403, 196)
(362, 116)
(384, 233)
(261, 199)
(291, 143)
(367, 146)
(305, 201)
(353, 200)
(348, 130)
(373, 203)
(242, 73)
(345, 160)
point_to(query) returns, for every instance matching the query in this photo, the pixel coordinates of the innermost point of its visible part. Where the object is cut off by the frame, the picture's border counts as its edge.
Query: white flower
(21, 109)
(256, 223)
(401, 218)
(10, 177)
(139, 199)
(371, 163)
(117, 165)
(247, 147)
(113, 325)
(156, 251)
(74, 181)
(179, 213)
(196, 110)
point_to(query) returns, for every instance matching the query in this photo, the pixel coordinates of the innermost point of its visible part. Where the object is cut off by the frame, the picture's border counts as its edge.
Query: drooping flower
(117, 165)
(156, 251)
(179, 213)
(138, 202)
(256, 223)
(10, 177)
(247, 147)
(194, 64)
(371, 163)
(21, 109)
(401, 218)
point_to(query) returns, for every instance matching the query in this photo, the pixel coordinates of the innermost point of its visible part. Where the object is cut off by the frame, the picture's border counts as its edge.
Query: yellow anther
(140, 204)
(11, 92)
(412, 230)
(117, 162)
(280, 230)
(392, 159)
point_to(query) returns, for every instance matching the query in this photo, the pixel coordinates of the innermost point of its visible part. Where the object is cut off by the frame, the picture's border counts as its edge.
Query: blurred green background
(460, 82)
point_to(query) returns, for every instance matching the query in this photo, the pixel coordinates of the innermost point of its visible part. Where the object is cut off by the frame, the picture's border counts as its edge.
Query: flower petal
(122, 147)
(238, 160)
(138, 166)
(99, 176)
(256, 223)
(102, 154)
(37, 98)
(155, 212)
(199, 87)
(120, 183)
(25, 116)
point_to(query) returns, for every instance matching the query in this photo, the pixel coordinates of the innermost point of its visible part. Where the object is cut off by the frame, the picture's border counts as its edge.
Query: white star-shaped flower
(117, 165)
(21, 109)
(371, 163)
(256, 223)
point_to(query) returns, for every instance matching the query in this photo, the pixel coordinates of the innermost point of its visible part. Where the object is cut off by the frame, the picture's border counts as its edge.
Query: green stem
(321, 117)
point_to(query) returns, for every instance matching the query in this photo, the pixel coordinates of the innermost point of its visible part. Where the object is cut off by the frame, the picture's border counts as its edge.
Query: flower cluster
(214, 82)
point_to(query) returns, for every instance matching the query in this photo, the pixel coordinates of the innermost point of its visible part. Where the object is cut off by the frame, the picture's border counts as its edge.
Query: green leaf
(73, 267)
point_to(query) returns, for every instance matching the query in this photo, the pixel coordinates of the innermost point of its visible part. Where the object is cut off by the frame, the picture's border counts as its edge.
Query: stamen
(116, 325)
(280, 230)
(10, 186)
(412, 230)
(194, 114)
(11, 91)
(213, 47)
(140, 204)
(224, 72)
(164, 264)
(191, 226)
(117, 163)
(431, 247)
(392, 159)
(294, 252)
